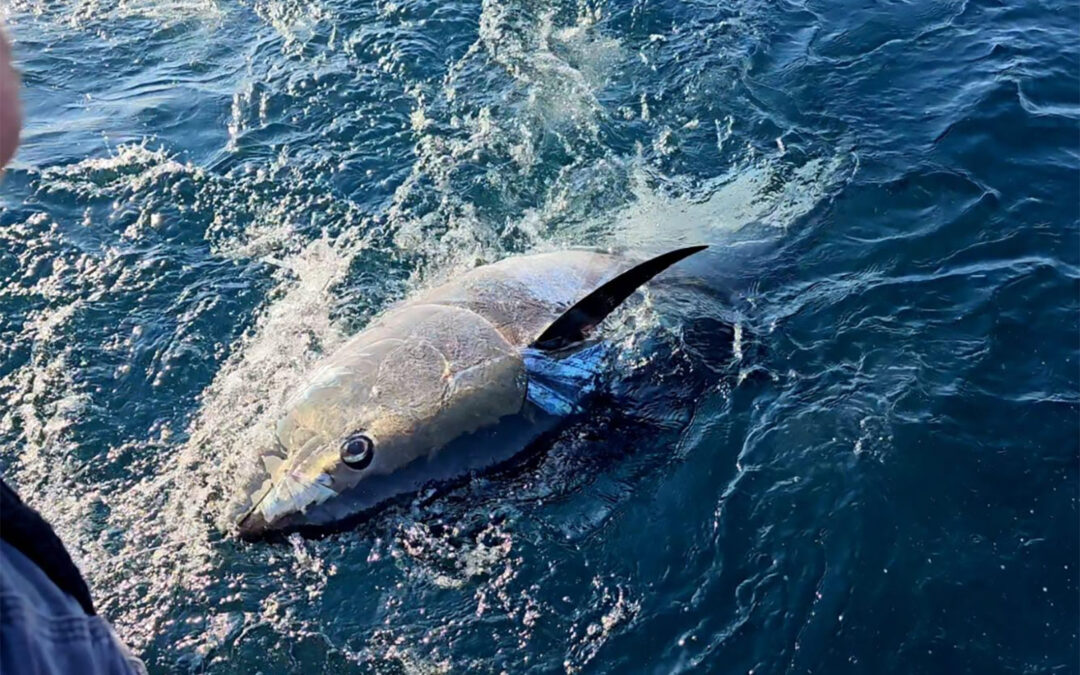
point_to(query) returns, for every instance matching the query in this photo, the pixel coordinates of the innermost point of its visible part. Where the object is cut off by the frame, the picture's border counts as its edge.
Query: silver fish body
(433, 389)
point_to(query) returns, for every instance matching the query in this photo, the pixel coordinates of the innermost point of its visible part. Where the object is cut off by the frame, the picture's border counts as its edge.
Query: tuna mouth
(253, 525)
(286, 499)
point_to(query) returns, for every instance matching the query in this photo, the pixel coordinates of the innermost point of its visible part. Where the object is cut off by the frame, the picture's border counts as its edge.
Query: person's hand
(10, 116)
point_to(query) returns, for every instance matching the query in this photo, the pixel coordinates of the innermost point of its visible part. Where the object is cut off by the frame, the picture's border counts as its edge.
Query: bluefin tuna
(451, 381)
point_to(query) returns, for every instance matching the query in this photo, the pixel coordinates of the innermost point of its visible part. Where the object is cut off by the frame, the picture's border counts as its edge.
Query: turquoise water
(883, 478)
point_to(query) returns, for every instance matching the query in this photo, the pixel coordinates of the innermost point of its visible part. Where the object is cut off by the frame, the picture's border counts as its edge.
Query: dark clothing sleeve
(47, 623)
(25, 529)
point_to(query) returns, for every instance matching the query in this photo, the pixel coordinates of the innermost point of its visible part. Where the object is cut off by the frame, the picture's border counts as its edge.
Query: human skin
(10, 115)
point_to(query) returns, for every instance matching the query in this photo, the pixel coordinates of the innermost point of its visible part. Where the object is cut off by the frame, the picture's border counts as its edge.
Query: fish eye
(357, 451)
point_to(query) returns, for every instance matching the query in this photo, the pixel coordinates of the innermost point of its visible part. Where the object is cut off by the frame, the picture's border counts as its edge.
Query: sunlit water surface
(211, 194)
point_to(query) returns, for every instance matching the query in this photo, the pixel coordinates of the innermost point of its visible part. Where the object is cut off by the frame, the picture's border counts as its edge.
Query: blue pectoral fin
(558, 385)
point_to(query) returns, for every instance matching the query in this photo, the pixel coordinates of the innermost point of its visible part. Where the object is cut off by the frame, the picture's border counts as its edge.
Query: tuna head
(385, 403)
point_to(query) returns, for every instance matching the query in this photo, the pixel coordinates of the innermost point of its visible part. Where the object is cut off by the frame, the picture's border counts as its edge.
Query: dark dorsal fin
(576, 322)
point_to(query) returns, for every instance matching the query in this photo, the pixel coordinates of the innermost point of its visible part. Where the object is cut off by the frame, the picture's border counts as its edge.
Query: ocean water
(882, 478)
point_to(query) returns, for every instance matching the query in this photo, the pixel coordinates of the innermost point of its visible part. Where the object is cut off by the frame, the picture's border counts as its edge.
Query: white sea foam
(78, 13)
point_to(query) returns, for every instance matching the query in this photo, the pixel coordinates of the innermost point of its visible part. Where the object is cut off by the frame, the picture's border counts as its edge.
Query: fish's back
(522, 295)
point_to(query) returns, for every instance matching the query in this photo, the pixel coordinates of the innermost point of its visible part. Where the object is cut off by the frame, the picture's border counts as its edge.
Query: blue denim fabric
(45, 631)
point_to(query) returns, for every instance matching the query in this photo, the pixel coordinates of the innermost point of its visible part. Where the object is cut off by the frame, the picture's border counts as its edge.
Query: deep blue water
(212, 193)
